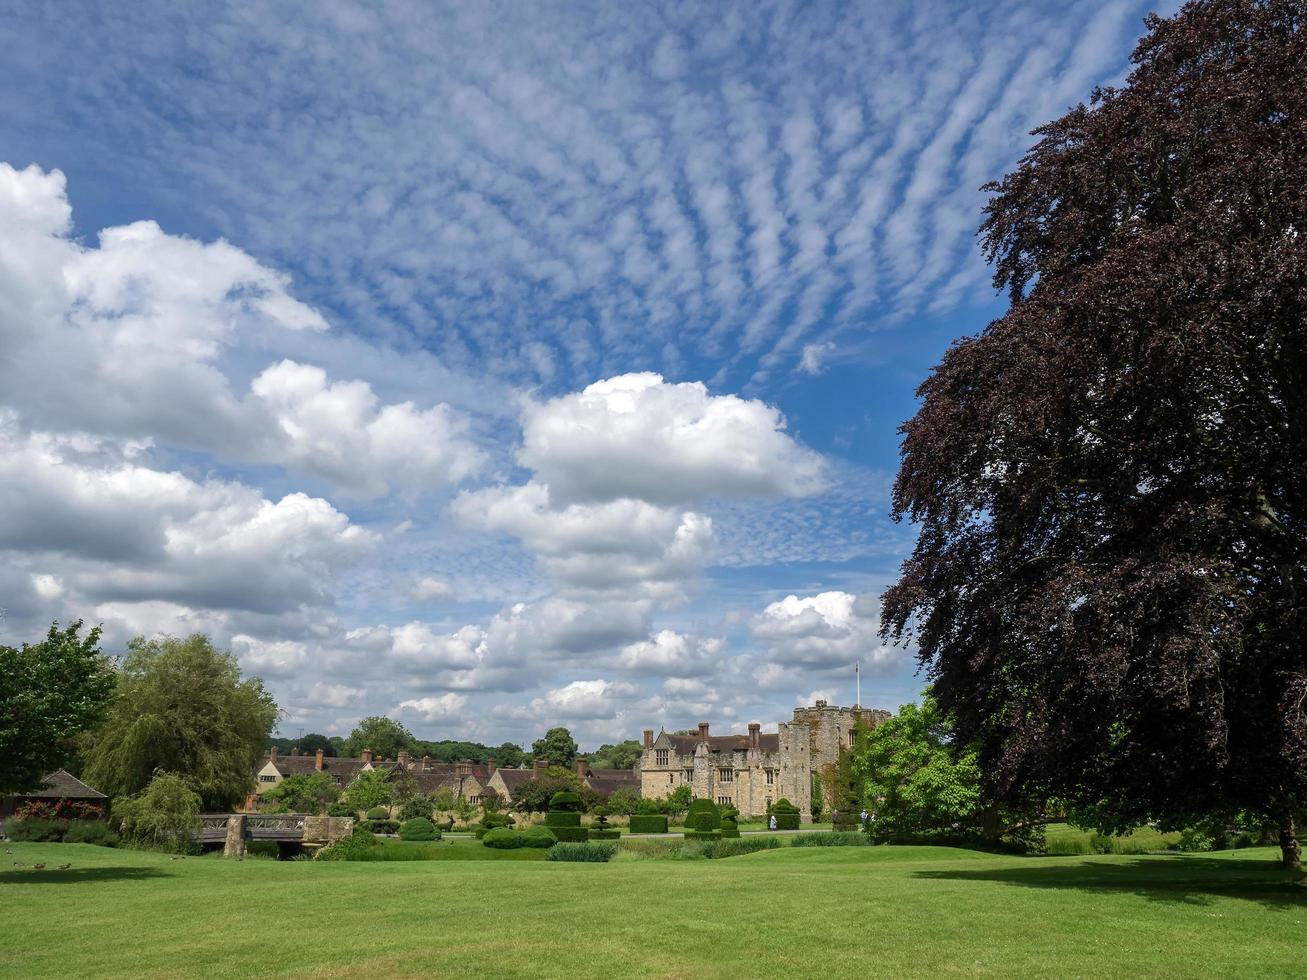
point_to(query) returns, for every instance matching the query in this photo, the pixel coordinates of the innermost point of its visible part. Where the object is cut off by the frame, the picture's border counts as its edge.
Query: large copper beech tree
(1109, 589)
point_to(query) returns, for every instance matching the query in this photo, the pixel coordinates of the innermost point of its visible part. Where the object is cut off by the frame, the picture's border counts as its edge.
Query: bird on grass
(63, 867)
(19, 864)
(39, 867)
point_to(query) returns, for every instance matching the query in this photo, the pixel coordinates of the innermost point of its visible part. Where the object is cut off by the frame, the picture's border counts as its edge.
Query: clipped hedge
(503, 839)
(566, 801)
(489, 822)
(379, 826)
(786, 814)
(703, 816)
(378, 813)
(605, 834)
(597, 852)
(419, 828)
(538, 837)
(648, 823)
(564, 817)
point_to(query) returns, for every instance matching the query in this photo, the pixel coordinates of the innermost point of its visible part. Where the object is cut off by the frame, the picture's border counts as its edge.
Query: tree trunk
(1290, 849)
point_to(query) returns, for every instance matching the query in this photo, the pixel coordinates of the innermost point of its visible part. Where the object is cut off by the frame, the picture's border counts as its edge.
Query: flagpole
(857, 675)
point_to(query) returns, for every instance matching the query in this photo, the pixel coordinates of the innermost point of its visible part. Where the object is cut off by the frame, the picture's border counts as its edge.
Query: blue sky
(497, 366)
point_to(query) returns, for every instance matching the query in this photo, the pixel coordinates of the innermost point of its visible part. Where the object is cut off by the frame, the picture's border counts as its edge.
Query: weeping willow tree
(181, 706)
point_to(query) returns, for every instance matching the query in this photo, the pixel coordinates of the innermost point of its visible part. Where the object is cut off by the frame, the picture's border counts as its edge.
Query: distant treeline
(507, 755)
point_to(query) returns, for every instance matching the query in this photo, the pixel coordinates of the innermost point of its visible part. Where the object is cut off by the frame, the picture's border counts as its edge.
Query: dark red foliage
(1110, 584)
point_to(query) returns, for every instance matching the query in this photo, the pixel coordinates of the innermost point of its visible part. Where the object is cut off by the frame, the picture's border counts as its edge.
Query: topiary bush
(418, 828)
(786, 814)
(378, 813)
(596, 852)
(564, 817)
(503, 839)
(703, 821)
(380, 826)
(541, 837)
(648, 823)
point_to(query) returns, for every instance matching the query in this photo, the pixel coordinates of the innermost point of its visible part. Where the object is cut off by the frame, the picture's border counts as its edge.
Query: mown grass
(836, 912)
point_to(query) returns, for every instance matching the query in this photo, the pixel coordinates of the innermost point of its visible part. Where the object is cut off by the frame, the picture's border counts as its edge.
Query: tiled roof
(61, 785)
(513, 778)
(607, 781)
(686, 744)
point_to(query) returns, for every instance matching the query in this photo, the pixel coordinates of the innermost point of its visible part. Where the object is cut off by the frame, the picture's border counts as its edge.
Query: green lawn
(812, 912)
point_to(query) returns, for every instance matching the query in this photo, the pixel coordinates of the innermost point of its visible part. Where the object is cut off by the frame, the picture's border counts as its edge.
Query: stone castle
(753, 771)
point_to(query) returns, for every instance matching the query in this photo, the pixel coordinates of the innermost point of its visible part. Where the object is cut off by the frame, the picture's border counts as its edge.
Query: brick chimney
(464, 768)
(582, 767)
(272, 754)
(294, 751)
(491, 766)
(648, 738)
(317, 761)
(538, 766)
(426, 763)
(755, 735)
(703, 731)
(367, 755)
(404, 759)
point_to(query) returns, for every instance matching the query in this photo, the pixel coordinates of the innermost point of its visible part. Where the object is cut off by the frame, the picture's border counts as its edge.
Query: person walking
(771, 823)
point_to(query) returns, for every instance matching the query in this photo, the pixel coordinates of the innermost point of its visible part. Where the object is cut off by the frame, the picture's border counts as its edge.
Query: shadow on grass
(53, 876)
(1185, 880)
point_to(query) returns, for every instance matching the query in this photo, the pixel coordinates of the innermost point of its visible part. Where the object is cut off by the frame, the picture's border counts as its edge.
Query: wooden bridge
(291, 831)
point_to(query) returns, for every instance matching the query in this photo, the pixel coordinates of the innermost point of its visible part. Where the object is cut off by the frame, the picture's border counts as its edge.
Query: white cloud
(640, 437)
(430, 589)
(129, 337)
(431, 709)
(670, 652)
(823, 631)
(583, 700)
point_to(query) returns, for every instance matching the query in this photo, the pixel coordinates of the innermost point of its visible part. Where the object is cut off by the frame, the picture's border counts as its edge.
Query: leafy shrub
(418, 828)
(733, 847)
(341, 810)
(703, 835)
(378, 813)
(850, 838)
(353, 848)
(595, 852)
(35, 829)
(63, 809)
(503, 839)
(1194, 839)
(165, 815)
(786, 814)
(648, 823)
(90, 832)
(304, 792)
(538, 837)
(380, 826)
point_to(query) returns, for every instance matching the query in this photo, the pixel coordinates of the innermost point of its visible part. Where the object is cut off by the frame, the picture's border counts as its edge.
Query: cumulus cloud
(823, 631)
(428, 589)
(669, 652)
(638, 436)
(437, 708)
(129, 337)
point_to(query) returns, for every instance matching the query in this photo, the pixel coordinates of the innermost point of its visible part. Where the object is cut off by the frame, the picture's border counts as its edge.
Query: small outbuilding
(59, 785)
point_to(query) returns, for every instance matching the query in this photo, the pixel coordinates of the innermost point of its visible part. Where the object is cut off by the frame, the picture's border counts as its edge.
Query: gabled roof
(296, 765)
(687, 744)
(513, 778)
(63, 785)
(607, 781)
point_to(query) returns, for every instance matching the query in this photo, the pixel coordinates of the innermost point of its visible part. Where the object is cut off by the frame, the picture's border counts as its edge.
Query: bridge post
(235, 844)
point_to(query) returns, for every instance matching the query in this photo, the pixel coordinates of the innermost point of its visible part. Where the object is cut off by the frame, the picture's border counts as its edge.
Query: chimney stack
(272, 754)
(703, 731)
(426, 763)
(491, 766)
(294, 751)
(317, 762)
(367, 755)
(648, 738)
(538, 766)
(582, 767)
(755, 737)
(404, 759)
(464, 768)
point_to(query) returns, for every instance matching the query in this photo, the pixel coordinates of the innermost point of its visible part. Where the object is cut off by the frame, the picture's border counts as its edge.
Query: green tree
(678, 801)
(386, 738)
(49, 693)
(919, 787)
(624, 800)
(310, 792)
(182, 707)
(1108, 584)
(817, 801)
(165, 815)
(509, 756)
(557, 746)
(533, 795)
(369, 788)
(307, 745)
(623, 755)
